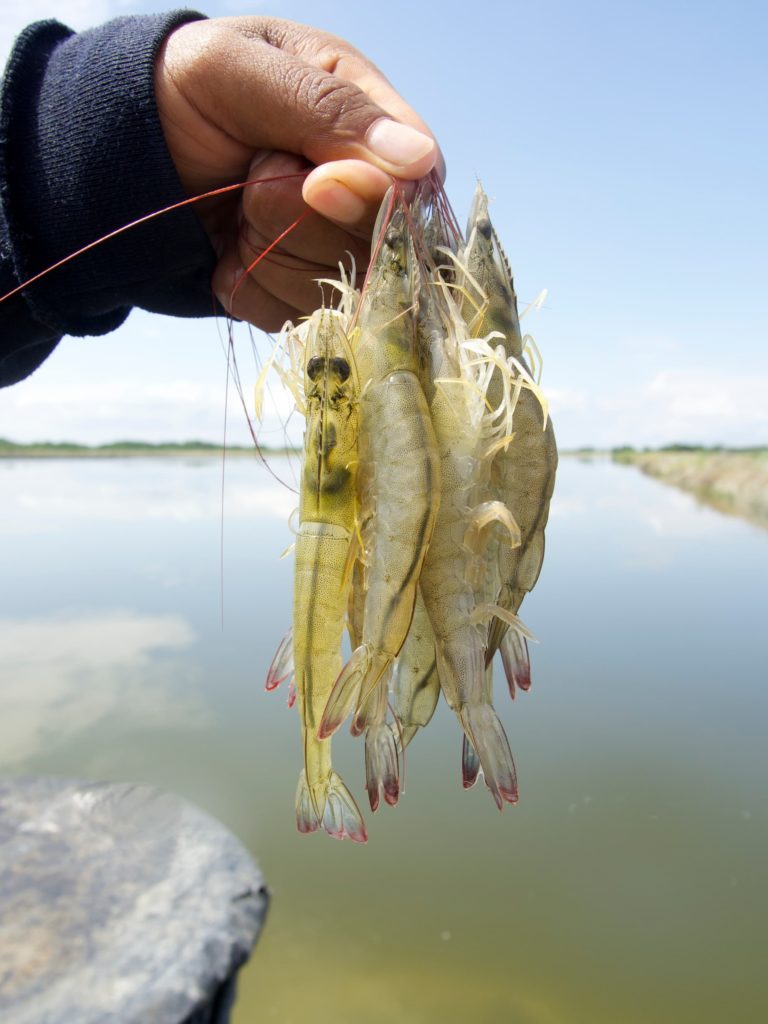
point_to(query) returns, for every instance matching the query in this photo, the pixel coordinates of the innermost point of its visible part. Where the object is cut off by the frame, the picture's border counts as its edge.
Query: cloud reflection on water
(136, 490)
(115, 504)
(60, 675)
(631, 521)
(622, 493)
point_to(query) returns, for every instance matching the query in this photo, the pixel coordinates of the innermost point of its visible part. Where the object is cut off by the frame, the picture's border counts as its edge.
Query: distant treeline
(117, 448)
(693, 448)
(52, 448)
(629, 450)
(56, 446)
(626, 453)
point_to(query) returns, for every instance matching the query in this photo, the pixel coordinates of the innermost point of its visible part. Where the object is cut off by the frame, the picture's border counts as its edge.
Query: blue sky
(624, 147)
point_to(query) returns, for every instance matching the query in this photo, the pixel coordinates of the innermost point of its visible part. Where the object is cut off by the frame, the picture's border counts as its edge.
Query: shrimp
(322, 579)
(522, 473)
(454, 560)
(399, 471)
(415, 684)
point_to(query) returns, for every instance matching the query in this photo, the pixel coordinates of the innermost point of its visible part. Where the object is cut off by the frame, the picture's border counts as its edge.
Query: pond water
(629, 884)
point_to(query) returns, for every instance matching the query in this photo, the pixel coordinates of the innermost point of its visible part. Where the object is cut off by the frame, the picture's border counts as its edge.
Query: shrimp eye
(315, 367)
(340, 367)
(484, 227)
(393, 238)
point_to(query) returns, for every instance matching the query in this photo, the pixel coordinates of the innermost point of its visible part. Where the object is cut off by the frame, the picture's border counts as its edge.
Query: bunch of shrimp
(429, 461)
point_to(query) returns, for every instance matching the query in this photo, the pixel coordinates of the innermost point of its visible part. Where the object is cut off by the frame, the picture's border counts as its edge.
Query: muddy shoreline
(735, 483)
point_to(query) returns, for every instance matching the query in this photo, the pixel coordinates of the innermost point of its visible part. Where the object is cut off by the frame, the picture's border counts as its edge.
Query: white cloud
(82, 14)
(53, 406)
(710, 396)
(693, 405)
(61, 675)
(707, 405)
(679, 404)
(161, 379)
(565, 399)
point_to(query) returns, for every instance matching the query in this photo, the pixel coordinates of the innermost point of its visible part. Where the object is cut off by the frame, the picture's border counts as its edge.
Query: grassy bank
(732, 480)
(119, 449)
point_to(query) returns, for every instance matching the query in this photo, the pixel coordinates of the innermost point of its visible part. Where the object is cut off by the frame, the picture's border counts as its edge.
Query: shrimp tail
(369, 708)
(282, 663)
(470, 764)
(501, 620)
(486, 734)
(329, 806)
(382, 765)
(497, 629)
(363, 715)
(407, 732)
(516, 661)
(353, 686)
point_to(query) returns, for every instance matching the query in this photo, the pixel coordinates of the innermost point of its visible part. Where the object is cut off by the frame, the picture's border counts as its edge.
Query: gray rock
(119, 904)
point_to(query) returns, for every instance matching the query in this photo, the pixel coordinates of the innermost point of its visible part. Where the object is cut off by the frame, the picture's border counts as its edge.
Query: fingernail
(397, 143)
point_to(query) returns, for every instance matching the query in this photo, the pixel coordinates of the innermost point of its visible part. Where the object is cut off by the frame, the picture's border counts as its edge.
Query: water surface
(627, 885)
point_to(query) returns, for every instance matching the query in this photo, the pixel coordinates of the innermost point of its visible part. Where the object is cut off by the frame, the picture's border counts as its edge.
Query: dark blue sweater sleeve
(82, 153)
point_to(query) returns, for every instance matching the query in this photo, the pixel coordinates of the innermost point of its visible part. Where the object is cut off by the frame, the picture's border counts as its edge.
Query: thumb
(298, 96)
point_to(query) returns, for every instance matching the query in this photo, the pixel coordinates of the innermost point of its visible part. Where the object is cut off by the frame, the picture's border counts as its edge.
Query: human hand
(255, 97)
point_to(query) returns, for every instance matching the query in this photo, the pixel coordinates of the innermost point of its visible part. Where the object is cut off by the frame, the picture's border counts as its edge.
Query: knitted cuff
(84, 153)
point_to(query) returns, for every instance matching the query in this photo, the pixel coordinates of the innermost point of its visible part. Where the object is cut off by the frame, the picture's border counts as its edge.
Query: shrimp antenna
(265, 252)
(143, 220)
